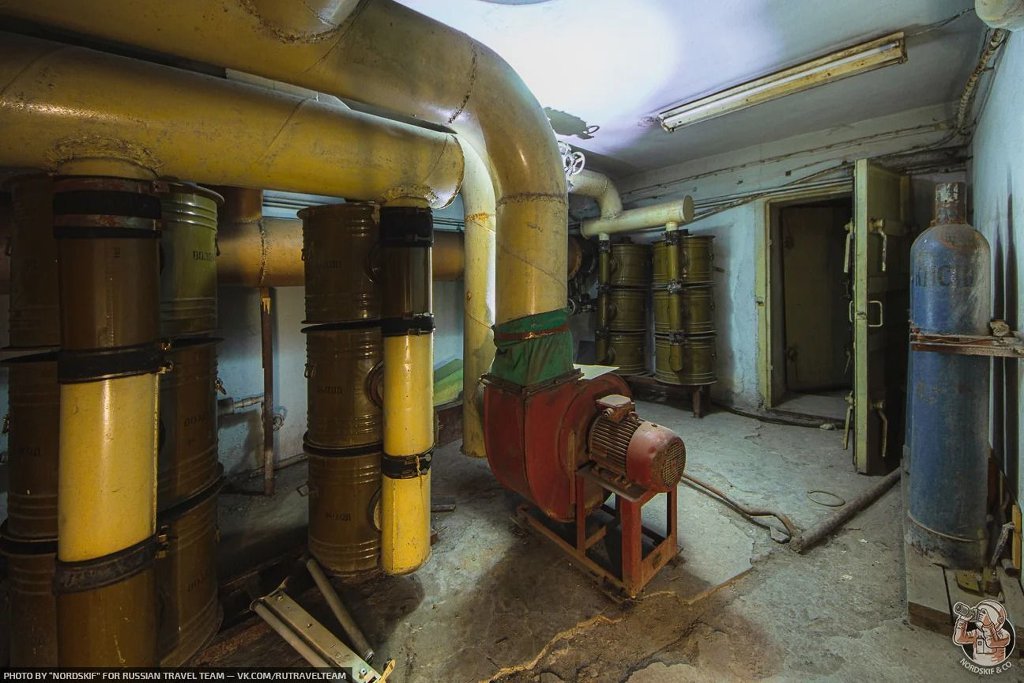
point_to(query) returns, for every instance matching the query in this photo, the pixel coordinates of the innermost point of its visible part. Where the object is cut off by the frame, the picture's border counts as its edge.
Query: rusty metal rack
(966, 345)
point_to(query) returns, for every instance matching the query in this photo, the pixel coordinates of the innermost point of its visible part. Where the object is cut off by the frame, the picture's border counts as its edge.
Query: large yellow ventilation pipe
(478, 315)
(60, 106)
(389, 56)
(267, 252)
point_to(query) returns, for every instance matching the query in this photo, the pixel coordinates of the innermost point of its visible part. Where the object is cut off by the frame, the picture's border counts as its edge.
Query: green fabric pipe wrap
(533, 349)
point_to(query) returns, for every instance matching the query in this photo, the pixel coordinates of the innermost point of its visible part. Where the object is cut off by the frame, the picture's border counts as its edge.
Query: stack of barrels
(111, 593)
(29, 536)
(188, 471)
(344, 348)
(684, 329)
(624, 278)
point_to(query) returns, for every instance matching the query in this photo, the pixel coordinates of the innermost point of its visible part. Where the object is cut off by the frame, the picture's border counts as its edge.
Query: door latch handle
(849, 240)
(879, 407)
(849, 419)
(877, 226)
(881, 313)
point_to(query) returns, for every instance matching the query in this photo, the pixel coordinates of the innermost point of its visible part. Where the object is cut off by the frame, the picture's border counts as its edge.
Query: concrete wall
(740, 232)
(997, 189)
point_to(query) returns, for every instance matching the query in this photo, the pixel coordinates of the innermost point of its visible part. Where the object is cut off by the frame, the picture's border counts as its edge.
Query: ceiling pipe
(1006, 14)
(389, 56)
(58, 113)
(679, 212)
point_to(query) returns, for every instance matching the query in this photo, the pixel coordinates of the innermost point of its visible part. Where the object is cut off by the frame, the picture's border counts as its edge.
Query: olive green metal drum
(623, 310)
(186, 575)
(689, 361)
(630, 265)
(33, 607)
(344, 490)
(627, 351)
(688, 311)
(686, 259)
(35, 298)
(188, 261)
(339, 247)
(343, 377)
(187, 461)
(32, 447)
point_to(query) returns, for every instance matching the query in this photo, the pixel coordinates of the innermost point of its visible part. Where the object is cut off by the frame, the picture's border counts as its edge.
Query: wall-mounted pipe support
(108, 239)
(406, 234)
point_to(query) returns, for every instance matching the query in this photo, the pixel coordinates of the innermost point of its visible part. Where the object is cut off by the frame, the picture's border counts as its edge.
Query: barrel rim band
(98, 183)
(104, 202)
(342, 326)
(12, 545)
(85, 575)
(27, 359)
(181, 508)
(76, 367)
(348, 451)
(532, 334)
(406, 227)
(406, 466)
(179, 187)
(422, 323)
(78, 231)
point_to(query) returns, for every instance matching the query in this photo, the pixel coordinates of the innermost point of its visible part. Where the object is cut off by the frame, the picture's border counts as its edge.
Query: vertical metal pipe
(406, 237)
(267, 348)
(355, 634)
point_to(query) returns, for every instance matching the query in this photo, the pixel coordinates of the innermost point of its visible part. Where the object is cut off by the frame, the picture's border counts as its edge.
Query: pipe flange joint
(399, 327)
(604, 246)
(86, 207)
(406, 226)
(76, 367)
(674, 287)
(406, 466)
(75, 577)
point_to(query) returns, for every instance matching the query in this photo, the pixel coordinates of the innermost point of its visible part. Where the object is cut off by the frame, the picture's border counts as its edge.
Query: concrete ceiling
(605, 68)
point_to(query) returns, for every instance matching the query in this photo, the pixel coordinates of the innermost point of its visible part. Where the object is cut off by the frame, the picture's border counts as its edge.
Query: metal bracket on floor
(312, 640)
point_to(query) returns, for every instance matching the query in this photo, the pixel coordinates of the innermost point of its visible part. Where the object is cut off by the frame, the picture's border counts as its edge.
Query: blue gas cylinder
(950, 293)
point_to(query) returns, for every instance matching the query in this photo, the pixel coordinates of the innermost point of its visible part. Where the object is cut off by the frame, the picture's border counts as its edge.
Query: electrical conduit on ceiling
(386, 55)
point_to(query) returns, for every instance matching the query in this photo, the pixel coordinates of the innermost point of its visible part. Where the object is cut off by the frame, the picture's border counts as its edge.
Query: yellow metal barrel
(33, 608)
(188, 266)
(343, 384)
(344, 515)
(625, 350)
(685, 259)
(630, 265)
(33, 445)
(186, 576)
(686, 310)
(689, 361)
(625, 309)
(187, 461)
(339, 246)
(35, 297)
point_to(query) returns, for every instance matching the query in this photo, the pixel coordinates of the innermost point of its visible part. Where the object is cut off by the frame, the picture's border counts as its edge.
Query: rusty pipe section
(267, 252)
(389, 56)
(57, 113)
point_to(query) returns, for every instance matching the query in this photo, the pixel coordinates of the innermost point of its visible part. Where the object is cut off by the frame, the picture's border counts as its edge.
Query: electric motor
(637, 450)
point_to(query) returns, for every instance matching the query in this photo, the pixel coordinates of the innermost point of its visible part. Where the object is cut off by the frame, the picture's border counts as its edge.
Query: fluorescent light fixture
(884, 51)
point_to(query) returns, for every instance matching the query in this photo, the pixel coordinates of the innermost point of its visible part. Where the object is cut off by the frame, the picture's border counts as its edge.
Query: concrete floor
(497, 604)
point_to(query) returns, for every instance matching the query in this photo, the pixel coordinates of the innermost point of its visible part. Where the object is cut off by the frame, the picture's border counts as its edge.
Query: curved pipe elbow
(1006, 14)
(600, 187)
